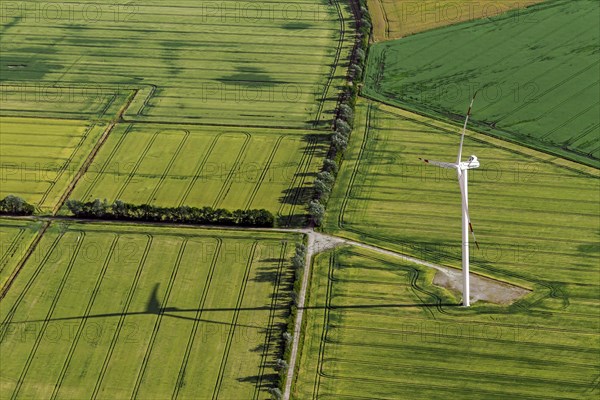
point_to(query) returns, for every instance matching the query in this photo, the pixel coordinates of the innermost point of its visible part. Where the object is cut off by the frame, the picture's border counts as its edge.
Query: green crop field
(377, 328)
(538, 69)
(224, 63)
(230, 168)
(115, 311)
(15, 238)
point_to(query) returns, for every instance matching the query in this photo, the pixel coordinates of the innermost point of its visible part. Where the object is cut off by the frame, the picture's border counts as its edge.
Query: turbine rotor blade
(462, 136)
(439, 163)
(466, 207)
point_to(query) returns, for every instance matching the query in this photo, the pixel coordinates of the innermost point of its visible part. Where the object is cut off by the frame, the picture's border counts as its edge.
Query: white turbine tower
(462, 168)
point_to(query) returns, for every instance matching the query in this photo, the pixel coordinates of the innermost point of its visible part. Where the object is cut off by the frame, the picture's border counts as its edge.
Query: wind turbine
(461, 168)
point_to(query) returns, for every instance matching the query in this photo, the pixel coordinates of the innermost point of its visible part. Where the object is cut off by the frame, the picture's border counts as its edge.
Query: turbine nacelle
(471, 163)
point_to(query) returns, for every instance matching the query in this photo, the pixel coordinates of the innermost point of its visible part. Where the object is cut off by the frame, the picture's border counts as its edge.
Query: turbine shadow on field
(163, 310)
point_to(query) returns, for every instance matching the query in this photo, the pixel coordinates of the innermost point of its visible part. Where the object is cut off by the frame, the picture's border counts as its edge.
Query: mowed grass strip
(267, 64)
(380, 323)
(393, 19)
(15, 238)
(544, 95)
(243, 168)
(41, 156)
(536, 218)
(105, 311)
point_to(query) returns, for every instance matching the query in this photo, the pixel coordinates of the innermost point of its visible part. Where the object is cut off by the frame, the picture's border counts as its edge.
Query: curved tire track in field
(238, 161)
(325, 329)
(293, 181)
(66, 164)
(165, 173)
(137, 165)
(264, 172)
(110, 157)
(359, 158)
(299, 178)
(198, 170)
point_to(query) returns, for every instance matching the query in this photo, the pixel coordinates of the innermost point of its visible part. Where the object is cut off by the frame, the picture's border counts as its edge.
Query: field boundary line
(93, 153)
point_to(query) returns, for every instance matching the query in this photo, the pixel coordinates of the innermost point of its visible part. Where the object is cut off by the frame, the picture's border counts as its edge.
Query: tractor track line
(115, 337)
(42, 331)
(159, 318)
(88, 308)
(236, 314)
(202, 301)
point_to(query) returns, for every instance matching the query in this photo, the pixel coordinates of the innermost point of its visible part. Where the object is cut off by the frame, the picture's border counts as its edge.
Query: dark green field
(376, 328)
(539, 70)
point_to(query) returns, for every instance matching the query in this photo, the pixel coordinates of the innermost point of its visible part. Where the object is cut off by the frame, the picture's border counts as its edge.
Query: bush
(330, 166)
(298, 261)
(275, 393)
(281, 365)
(346, 113)
(360, 55)
(339, 142)
(317, 212)
(326, 177)
(342, 127)
(357, 72)
(14, 205)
